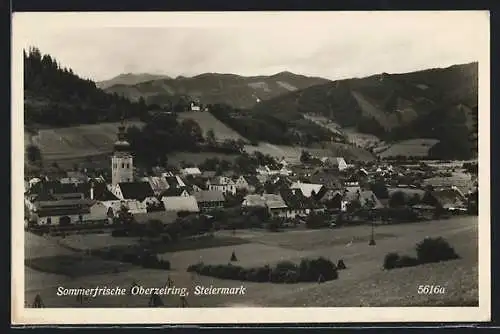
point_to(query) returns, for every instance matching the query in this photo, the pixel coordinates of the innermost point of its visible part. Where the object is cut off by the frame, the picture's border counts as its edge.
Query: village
(317, 192)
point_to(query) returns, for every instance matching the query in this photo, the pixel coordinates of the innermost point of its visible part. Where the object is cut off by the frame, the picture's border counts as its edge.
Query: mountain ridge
(212, 88)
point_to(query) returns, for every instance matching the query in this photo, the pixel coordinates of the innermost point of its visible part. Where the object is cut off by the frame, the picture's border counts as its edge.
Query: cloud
(340, 45)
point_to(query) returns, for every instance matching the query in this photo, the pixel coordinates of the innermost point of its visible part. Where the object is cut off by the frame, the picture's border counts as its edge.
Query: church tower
(122, 162)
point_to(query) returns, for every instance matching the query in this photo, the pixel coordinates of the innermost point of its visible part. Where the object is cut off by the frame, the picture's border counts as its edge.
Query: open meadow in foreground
(363, 283)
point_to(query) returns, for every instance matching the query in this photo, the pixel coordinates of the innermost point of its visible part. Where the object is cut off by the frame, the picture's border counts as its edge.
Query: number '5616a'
(431, 290)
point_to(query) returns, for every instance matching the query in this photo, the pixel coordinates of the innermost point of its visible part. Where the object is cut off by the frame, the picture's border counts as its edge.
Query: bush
(391, 261)
(432, 250)
(283, 272)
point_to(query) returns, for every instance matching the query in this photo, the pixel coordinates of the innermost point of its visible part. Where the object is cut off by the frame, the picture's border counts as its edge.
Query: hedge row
(144, 259)
(320, 269)
(429, 250)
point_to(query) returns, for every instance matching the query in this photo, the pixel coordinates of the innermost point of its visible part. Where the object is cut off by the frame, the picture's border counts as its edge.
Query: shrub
(391, 260)
(233, 257)
(407, 261)
(195, 267)
(283, 272)
(341, 265)
(435, 250)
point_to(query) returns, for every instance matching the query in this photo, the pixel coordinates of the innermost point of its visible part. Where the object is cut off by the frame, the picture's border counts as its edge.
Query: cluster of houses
(283, 190)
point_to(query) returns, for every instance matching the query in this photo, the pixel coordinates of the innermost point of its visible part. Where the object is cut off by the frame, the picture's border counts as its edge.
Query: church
(123, 185)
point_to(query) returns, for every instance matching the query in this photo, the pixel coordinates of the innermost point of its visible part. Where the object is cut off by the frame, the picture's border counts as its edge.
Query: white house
(194, 171)
(307, 188)
(223, 184)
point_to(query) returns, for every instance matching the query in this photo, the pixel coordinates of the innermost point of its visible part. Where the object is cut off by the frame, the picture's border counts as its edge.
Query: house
(180, 203)
(275, 204)
(175, 181)
(248, 183)
(366, 198)
(194, 107)
(208, 174)
(113, 207)
(67, 212)
(223, 184)
(308, 189)
(209, 200)
(273, 170)
(173, 192)
(158, 184)
(299, 205)
(337, 162)
(195, 171)
(331, 198)
(132, 190)
(445, 198)
(328, 180)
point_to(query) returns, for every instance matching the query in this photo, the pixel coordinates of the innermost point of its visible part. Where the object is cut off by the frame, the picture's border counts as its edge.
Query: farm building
(275, 204)
(67, 212)
(180, 203)
(209, 200)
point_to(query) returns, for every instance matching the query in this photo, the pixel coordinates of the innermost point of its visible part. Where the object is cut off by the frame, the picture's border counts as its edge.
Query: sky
(332, 45)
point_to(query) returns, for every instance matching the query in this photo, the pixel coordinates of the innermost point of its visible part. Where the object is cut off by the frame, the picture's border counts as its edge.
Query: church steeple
(122, 144)
(122, 164)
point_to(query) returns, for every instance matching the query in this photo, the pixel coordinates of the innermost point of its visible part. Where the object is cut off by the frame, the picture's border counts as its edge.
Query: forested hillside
(434, 103)
(55, 96)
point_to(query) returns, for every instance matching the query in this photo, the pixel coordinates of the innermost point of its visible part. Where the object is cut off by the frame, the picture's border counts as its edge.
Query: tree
(33, 153)
(397, 199)
(414, 200)
(210, 137)
(124, 215)
(305, 157)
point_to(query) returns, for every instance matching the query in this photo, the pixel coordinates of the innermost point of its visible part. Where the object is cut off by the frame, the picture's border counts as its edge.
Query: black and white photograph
(281, 166)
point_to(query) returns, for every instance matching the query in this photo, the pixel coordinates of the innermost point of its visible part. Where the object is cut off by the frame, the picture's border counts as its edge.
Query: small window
(49, 220)
(123, 165)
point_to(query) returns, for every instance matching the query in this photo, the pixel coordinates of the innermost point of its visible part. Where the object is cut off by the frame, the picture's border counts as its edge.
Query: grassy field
(292, 153)
(77, 141)
(363, 283)
(207, 121)
(177, 158)
(412, 147)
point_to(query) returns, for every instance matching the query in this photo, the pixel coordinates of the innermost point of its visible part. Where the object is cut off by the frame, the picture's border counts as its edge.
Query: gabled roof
(157, 183)
(174, 181)
(209, 196)
(191, 170)
(136, 190)
(364, 196)
(172, 192)
(271, 201)
(307, 188)
(221, 180)
(180, 203)
(449, 198)
(294, 198)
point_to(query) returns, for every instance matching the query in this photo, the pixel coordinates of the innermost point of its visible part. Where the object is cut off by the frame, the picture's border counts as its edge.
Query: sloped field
(207, 121)
(77, 141)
